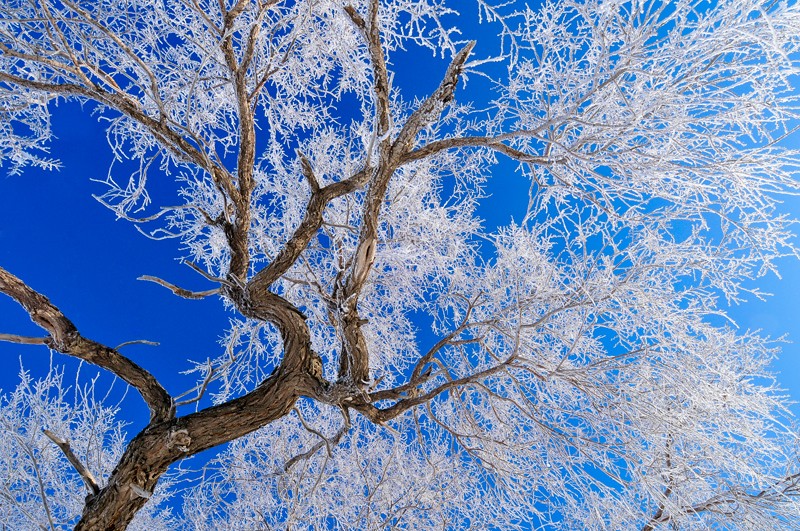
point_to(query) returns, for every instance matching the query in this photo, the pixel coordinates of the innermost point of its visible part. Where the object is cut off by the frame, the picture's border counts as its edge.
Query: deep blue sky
(63, 243)
(66, 245)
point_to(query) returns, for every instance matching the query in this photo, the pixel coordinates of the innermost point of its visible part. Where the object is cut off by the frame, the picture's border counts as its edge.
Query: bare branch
(201, 389)
(200, 271)
(65, 338)
(86, 475)
(23, 340)
(185, 293)
(308, 172)
(137, 342)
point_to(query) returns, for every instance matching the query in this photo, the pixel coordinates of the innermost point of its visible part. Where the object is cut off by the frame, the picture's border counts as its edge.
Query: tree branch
(137, 342)
(23, 340)
(328, 444)
(477, 141)
(65, 338)
(312, 221)
(788, 486)
(84, 472)
(371, 33)
(171, 140)
(237, 231)
(381, 416)
(162, 444)
(354, 360)
(433, 105)
(181, 292)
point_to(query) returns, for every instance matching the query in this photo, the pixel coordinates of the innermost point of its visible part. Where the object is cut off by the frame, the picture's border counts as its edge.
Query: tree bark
(151, 452)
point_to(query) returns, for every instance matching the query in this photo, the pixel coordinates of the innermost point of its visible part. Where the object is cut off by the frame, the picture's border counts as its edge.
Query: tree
(582, 373)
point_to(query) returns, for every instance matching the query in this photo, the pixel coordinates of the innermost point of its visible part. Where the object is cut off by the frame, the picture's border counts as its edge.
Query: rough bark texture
(152, 451)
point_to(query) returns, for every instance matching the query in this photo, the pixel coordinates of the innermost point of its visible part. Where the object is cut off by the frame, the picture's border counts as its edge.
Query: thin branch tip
(177, 290)
(137, 342)
(24, 340)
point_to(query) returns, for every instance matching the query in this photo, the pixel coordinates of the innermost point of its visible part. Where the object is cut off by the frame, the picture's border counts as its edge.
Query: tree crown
(576, 372)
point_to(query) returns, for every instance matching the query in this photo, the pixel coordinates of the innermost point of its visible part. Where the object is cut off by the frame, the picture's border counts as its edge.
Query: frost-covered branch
(568, 347)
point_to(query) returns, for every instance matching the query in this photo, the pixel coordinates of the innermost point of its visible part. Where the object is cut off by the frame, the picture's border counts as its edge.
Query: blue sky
(66, 245)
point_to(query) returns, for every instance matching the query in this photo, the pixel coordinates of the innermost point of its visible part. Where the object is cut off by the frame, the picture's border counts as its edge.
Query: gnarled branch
(65, 338)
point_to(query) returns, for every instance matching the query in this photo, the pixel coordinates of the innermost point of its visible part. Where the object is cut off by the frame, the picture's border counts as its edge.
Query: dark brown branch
(237, 230)
(84, 472)
(380, 416)
(151, 452)
(308, 228)
(65, 338)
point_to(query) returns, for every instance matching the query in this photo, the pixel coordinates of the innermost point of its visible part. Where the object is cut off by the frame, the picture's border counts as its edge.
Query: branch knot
(180, 439)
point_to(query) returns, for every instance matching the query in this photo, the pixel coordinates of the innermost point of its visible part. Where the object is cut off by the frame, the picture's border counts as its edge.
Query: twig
(180, 292)
(23, 340)
(137, 342)
(212, 371)
(122, 215)
(213, 374)
(87, 476)
(205, 275)
(325, 442)
(308, 172)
